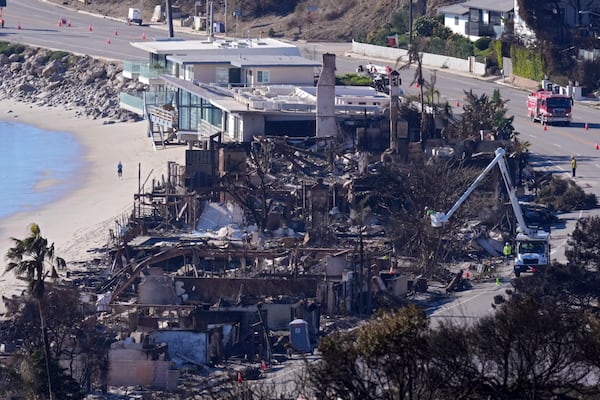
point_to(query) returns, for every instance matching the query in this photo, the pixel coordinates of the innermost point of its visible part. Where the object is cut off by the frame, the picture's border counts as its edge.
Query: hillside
(330, 20)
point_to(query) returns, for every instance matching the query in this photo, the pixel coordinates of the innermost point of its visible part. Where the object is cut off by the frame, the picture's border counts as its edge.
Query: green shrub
(527, 62)
(483, 43)
(498, 47)
(9, 48)
(460, 47)
(58, 55)
(437, 46)
(353, 79)
(425, 25)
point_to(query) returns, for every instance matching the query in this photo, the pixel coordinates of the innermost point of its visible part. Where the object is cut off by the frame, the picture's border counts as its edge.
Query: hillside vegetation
(292, 19)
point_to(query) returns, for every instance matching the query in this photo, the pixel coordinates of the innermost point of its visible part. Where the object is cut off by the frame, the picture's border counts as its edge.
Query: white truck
(134, 16)
(532, 252)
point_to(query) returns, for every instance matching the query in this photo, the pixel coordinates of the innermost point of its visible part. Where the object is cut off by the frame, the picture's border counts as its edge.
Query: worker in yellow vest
(507, 251)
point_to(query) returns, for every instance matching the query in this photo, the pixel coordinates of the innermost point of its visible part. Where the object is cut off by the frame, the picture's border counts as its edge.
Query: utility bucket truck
(532, 246)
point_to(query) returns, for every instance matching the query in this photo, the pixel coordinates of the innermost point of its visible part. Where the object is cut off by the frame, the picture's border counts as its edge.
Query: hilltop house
(478, 18)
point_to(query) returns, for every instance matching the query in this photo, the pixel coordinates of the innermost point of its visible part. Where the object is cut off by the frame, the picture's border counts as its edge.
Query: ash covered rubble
(240, 260)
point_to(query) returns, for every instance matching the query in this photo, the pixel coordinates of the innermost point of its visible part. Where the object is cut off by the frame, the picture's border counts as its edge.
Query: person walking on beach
(120, 170)
(573, 165)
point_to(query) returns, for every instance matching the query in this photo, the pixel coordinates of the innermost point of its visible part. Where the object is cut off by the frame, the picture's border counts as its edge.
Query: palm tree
(31, 258)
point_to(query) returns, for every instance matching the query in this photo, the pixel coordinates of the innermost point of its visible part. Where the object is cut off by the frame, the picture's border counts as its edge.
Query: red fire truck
(549, 107)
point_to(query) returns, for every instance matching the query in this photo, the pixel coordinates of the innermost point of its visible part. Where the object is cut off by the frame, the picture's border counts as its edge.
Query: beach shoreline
(80, 219)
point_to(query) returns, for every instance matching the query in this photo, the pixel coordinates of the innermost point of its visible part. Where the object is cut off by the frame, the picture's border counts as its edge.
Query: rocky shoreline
(45, 78)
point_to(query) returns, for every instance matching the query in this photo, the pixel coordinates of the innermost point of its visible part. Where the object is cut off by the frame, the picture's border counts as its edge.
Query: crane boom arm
(439, 218)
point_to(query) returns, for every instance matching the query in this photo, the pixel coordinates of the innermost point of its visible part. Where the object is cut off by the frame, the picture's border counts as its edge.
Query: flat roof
(354, 91)
(216, 97)
(244, 61)
(489, 5)
(184, 46)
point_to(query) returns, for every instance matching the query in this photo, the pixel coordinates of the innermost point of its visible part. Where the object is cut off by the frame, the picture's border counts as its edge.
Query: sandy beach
(80, 220)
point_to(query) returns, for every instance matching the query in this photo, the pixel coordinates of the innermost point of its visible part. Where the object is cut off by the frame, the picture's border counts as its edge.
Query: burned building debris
(248, 250)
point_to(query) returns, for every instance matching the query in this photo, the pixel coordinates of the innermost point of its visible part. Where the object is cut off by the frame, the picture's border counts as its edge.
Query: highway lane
(39, 26)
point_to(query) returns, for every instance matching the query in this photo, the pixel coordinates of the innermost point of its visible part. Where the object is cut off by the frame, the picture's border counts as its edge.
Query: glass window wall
(192, 109)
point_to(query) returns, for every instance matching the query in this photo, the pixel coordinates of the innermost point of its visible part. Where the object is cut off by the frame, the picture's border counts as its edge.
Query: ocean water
(36, 167)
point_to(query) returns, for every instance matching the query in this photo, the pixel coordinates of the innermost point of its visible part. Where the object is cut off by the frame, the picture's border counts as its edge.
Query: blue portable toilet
(299, 336)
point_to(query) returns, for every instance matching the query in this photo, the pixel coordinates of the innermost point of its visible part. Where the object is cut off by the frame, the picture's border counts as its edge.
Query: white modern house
(478, 18)
(236, 89)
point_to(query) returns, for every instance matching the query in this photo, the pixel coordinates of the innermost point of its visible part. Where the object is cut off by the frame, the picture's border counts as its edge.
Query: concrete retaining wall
(400, 56)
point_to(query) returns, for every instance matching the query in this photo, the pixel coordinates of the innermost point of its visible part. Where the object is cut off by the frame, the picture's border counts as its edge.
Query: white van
(134, 16)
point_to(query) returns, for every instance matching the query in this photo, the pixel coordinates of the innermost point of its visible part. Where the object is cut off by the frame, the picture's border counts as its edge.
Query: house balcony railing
(131, 69)
(138, 102)
(143, 71)
(150, 74)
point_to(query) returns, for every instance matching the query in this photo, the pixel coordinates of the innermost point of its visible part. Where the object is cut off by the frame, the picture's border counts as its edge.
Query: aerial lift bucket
(436, 219)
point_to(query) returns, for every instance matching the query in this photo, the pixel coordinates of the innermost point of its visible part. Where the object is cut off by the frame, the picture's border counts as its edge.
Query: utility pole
(410, 23)
(170, 19)
(226, 17)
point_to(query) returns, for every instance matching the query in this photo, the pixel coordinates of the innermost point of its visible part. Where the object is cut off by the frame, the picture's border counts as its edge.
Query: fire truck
(549, 107)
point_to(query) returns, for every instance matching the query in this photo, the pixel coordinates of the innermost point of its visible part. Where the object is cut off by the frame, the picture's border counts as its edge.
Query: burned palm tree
(414, 57)
(33, 259)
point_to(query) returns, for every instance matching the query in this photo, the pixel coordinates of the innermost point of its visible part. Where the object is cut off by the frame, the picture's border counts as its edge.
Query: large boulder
(15, 67)
(26, 88)
(51, 69)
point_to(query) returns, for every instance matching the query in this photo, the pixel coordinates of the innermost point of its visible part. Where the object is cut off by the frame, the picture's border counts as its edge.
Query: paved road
(38, 23)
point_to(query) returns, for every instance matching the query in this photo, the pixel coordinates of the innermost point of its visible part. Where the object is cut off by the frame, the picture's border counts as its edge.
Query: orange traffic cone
(91, 28)
(417, 85)
(116, 33)
(143, 36)
(108, 41)
(263, 365)
(597, 147)
(239, 378)
(457, 103)
(545, 127)
(59, 23)
(587, 127)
